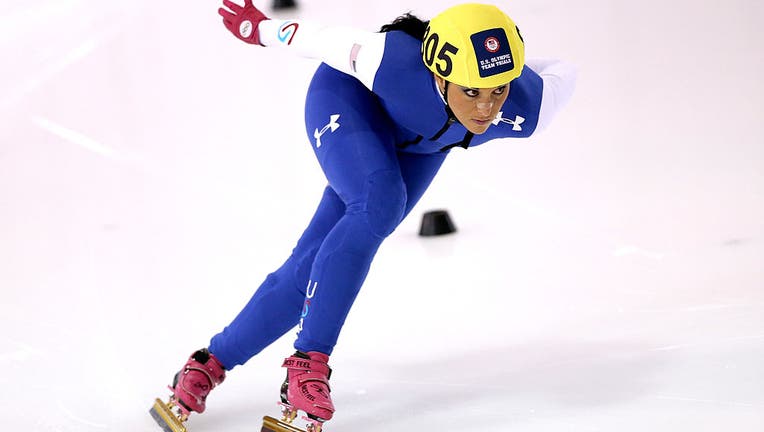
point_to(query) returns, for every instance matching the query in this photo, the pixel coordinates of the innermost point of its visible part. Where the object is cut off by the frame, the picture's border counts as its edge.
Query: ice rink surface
(608, 275)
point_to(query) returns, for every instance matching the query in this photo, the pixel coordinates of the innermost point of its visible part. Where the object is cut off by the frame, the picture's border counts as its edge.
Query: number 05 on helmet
(474, 45)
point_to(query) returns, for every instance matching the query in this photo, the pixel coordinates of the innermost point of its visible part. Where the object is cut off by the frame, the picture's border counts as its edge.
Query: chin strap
(449, 112)
(444, 96)
(465, 143)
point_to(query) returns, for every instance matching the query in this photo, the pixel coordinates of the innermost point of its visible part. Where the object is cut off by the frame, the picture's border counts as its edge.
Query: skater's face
(475, 108)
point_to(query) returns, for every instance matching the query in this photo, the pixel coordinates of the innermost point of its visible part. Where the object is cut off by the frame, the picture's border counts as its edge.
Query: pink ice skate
(201, 373)
(306, 388)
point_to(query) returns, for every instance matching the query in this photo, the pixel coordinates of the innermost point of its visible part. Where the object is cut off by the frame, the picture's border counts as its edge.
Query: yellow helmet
(474, 45)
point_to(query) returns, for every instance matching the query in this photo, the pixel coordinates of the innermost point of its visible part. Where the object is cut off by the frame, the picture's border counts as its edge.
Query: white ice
(607, 275)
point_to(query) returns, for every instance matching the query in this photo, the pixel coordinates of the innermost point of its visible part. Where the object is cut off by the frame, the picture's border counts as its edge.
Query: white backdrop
(607, 275)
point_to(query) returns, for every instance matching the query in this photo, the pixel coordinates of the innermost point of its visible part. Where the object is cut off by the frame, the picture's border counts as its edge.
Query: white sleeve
(559, 82)
(352, 51)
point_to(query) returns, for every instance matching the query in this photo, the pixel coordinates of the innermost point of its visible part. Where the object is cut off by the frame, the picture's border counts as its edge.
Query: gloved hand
(243, 21)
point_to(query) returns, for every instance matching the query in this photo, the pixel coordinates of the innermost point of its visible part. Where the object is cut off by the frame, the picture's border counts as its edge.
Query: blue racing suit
(379, 148)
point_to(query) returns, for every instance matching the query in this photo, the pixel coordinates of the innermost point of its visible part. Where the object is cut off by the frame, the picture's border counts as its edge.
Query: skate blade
(270, 424)
(165, 418)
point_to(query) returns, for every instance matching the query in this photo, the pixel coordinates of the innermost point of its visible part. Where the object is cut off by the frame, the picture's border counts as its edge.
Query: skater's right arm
(352, 51)
(349, 50)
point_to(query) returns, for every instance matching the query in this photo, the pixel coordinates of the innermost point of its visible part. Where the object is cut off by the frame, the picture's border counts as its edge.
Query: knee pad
(386, 201)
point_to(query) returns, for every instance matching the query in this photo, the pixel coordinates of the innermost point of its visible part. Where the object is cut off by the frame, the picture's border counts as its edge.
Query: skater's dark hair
(409, 24)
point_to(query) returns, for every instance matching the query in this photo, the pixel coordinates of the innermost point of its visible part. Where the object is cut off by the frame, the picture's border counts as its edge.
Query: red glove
(243, 21)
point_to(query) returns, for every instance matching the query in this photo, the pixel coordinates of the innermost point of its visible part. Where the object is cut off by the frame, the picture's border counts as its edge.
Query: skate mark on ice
(71, 416)
(708, 401)
(19, 352)
(75, 137)
(708, 342)
(631, 250)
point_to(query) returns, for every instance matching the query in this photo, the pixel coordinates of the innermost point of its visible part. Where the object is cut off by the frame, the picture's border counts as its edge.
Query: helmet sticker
(494, 55)
(492, 44)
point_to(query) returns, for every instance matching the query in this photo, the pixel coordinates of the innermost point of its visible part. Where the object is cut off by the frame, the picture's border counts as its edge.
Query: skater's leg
(360, 162)
(272, 311)
(355, 147)
(347, 252)
(418, 170)
(275, 306)
(343, 260)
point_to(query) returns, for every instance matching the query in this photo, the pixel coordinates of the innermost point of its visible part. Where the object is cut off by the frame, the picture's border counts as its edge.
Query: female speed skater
(382, 113)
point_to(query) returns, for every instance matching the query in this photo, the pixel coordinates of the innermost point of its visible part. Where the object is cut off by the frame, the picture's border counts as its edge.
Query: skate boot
(190, 387)
(306, 388)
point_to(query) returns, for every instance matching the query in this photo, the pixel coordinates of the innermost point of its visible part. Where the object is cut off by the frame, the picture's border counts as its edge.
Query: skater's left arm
(559, 82)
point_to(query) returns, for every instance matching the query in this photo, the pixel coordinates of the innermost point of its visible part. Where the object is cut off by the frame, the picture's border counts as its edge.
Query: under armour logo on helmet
(515, 123)
(333, 126)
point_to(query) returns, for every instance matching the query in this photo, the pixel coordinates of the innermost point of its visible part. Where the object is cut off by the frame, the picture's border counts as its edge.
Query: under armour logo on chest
(332, 126)
(515, 123)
